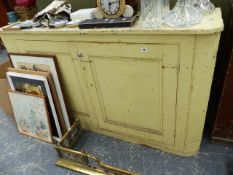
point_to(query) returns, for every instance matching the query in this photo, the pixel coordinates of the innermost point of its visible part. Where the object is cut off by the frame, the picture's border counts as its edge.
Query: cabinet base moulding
(139, 141)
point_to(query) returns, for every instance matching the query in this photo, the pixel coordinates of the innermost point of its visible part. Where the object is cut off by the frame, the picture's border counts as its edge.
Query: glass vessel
(184, 14)
(205, 6)
(153, 12)
(165, 8)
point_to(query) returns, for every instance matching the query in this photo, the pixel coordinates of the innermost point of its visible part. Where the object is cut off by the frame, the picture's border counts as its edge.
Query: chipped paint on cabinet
(148, 87)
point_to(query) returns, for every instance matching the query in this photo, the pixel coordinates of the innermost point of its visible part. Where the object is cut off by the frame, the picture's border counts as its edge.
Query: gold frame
(79, 161)
(118, 14)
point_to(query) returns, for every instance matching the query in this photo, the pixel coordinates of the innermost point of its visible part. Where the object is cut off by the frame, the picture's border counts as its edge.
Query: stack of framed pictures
(37, 98)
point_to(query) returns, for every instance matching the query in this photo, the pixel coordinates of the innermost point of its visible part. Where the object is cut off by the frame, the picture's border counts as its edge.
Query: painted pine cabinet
(146, 86)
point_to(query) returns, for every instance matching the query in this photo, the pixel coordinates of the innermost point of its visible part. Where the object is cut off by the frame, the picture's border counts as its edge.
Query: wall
(224, 4)
(3, 17)
(4, 8)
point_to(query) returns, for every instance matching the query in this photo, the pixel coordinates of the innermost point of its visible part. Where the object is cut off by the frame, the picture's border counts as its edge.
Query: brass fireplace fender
(81, 161)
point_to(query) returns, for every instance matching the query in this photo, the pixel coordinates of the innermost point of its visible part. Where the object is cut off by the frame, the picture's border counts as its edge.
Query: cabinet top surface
(210, 24)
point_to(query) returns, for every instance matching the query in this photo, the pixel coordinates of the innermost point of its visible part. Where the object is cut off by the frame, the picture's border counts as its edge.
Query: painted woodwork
(146, 86)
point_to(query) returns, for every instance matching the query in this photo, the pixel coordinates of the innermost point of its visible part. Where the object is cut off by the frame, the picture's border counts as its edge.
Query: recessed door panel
(131, 93)
(138, 96)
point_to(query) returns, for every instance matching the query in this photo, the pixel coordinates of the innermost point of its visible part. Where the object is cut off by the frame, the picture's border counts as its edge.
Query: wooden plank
(203, 68)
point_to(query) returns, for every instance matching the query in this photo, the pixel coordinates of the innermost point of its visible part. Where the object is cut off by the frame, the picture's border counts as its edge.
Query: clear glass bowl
(184, 14)
(153, 12)
(205, 6)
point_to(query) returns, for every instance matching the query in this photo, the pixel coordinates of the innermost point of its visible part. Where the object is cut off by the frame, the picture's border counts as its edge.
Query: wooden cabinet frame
(189, 75)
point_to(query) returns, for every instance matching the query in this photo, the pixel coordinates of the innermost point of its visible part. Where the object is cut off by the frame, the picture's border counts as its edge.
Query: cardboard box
(3, 69)
(4, 88)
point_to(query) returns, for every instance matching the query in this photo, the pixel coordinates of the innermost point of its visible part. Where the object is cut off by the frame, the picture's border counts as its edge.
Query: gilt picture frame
(19, 82)
(42, 63)
(31, 115)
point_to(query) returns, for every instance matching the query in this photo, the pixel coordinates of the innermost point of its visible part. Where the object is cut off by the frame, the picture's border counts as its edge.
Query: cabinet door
(136, 90)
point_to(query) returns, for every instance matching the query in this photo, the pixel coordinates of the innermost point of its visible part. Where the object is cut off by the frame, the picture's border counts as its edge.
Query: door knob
(80, 55)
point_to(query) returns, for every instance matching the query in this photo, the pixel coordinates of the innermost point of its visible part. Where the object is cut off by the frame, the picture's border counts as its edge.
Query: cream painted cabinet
(145, 86)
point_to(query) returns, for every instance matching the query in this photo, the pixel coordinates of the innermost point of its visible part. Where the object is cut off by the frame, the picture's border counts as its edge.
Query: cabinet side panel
(202, 75)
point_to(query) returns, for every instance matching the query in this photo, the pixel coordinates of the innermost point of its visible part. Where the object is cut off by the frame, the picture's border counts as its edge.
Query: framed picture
(31, 115)
(49, 78)
(42, 64)
(36, 85)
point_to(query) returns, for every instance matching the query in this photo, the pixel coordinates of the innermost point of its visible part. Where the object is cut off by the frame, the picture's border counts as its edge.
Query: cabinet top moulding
(210, 24)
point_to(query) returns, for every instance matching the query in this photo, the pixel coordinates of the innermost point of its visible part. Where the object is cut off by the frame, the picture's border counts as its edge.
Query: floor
(22, 155)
